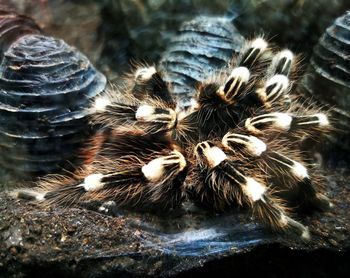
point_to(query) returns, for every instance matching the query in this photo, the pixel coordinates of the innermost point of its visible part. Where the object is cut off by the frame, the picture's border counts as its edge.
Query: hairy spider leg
(221, 174)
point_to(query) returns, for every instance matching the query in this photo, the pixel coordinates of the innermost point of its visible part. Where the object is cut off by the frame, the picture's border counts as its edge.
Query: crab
(237, 145)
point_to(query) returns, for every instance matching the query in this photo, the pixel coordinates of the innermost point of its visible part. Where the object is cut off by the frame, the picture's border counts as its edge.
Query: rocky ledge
(80, 242)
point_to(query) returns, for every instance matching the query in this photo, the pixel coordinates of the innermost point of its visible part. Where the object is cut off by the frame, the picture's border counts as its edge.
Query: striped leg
(276, 87)
(129, 168)
(287, 123)
(133, 183)
(237, 84)
(234, 186)
(288, 174)
(128, 112)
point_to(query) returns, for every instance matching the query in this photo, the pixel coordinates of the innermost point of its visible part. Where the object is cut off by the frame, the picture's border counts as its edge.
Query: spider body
(237, 145)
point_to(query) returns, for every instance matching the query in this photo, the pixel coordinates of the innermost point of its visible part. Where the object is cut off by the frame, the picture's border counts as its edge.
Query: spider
(237, 145)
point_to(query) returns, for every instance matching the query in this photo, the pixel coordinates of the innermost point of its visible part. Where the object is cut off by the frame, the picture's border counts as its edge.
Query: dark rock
(114, 32)
(75, 242)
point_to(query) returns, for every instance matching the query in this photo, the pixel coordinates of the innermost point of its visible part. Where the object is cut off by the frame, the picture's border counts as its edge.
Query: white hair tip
(259, 43)
(283, 120)
(286, 53)
(153, 170)
(144, 112)
(256, 146)
(101, 103)
(305, 235)
(323, 119)
(254, 189)
(145, 74)
(92, 182)
(278, 79)
(241, 72)
(215, 155)
(299, 170)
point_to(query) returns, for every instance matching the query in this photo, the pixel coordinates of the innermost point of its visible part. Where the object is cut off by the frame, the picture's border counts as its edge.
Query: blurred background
(113, 33)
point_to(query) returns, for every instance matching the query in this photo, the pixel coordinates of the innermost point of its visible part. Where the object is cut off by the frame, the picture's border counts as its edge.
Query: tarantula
(239, 144)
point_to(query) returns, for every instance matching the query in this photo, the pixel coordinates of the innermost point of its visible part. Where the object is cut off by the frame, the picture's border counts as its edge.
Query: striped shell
(328, 77)
(45, 88)
(203, 46)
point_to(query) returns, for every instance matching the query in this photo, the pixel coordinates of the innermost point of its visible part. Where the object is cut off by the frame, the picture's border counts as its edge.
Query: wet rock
(13, 237)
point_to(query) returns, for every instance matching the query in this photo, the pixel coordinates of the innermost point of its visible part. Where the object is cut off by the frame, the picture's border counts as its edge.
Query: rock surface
(81, 242)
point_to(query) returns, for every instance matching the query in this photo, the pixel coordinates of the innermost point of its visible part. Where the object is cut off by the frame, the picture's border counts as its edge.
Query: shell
(328, 76)
(203, 46)
(141, 30)
(45, 88)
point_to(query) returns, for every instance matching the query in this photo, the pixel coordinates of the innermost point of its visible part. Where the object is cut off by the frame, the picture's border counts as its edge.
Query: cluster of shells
(46, 85)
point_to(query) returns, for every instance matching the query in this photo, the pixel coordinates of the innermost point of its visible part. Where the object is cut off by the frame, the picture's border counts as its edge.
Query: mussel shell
(46, 89)
(202, 46)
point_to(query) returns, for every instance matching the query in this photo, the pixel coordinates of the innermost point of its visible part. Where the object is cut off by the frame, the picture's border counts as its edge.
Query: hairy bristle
(237, 144)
